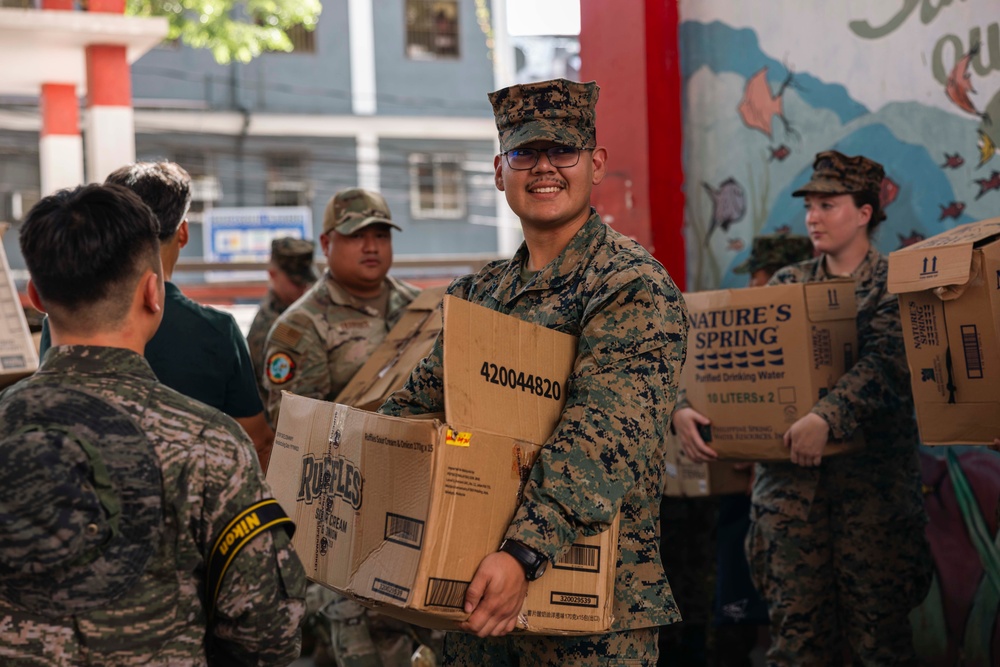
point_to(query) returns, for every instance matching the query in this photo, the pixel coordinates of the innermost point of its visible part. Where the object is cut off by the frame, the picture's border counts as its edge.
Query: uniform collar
(342, 297)
(555, 273)
(91, 359)
(861, 274)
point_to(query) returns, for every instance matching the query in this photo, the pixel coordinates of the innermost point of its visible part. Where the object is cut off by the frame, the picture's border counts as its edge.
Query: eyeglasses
(560, 157)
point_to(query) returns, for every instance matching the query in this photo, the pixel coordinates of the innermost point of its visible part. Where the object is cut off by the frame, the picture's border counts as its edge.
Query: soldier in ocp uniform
(836, 545)
(118, 544)
(290, 273)
(314, 349)
(575, 274)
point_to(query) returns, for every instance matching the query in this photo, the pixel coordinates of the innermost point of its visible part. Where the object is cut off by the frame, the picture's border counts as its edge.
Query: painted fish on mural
(987, 148)
(953, 210)
(952, 161)
(888, 193)
(779, 153)
(784, 230)
(728, 205)
(959, 84)
(759, 107)
(987, 184)
(914, 237)
(735, 245)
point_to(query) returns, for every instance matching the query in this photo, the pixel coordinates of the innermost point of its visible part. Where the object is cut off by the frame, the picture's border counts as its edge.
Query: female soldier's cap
(81, 500)
(559, 110)
(837, 174)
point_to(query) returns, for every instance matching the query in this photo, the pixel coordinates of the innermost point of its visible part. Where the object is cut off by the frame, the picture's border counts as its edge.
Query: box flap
(502, 374)
(428, 299)
(944, 259)
(18, 358)
(831, 300)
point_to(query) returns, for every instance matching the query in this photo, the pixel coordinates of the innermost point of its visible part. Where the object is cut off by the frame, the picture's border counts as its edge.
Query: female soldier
(837, 545)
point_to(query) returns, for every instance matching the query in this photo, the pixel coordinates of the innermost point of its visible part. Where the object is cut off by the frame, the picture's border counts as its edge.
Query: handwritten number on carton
(534, 384)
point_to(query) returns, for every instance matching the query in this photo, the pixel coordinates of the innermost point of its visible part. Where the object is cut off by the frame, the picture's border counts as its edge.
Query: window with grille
(205, 187)
(286, 182)
(437, 186)
(431, 29)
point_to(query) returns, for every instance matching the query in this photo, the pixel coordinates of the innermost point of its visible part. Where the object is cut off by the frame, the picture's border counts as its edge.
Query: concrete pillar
(110, 128)
(60, 148)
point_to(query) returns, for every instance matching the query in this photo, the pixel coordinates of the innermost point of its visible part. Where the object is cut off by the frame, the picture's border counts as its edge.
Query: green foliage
(233, 29)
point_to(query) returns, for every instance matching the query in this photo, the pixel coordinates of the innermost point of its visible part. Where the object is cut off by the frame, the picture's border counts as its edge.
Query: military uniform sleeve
(261, 601)
(256, 337)
(620, 397)
(242, 398)
(877, 380)
(295, 360)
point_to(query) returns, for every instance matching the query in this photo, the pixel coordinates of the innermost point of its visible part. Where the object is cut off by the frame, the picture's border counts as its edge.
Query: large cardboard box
(18, 354)
(760, 357)
(391, 363)
(398, 513)
(949, 303)
(687, 479)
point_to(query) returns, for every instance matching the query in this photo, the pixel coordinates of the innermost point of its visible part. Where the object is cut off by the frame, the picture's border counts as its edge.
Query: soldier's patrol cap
(776, 250)
(354, 209)
(81, 509)
(295, 258)
(837, 174)
(559, 110)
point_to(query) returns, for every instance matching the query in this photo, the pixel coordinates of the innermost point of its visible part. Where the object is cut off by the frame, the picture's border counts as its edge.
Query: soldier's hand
(807, 439)
(495, 596)
(686, 422)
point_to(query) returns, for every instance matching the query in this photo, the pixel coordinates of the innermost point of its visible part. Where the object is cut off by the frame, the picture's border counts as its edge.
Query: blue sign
(245, 234)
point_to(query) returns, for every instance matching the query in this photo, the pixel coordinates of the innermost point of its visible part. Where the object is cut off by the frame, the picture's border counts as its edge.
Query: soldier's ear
(498, 172)
(34, 298)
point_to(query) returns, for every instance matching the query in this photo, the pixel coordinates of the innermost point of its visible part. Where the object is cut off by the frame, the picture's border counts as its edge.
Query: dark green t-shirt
(200, 352)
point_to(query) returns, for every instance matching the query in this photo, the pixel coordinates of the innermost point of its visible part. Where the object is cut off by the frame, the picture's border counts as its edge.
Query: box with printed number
(398, 513)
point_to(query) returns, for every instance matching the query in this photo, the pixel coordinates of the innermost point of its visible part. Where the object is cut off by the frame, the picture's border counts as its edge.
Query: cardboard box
(949, 304)
(760, 357)
(391, 363)
(398, 513)
(688, 479)
(18, 354)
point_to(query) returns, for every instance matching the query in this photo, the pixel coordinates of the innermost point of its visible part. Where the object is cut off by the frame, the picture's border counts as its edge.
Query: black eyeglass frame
(548, 156)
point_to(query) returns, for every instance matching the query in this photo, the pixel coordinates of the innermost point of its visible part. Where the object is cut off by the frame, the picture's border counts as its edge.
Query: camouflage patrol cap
(354, 209)
(837, 174)
(81, 509)
(558, 110)
(295, 258)
(776, 250)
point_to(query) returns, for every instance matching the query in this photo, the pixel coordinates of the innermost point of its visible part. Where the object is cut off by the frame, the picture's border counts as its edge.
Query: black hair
(85, 246)
(871, 198)
(164, 186)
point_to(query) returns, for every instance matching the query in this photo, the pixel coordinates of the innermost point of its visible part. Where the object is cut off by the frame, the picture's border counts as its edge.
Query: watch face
(541, 568)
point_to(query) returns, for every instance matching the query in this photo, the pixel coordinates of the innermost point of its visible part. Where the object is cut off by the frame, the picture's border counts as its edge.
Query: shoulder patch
(280, 368)
(286, 334)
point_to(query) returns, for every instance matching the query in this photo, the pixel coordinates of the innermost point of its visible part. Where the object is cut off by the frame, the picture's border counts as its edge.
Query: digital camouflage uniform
(294, 258)
(839, 550)
(209, 475)
(607, 453)
(316, 347)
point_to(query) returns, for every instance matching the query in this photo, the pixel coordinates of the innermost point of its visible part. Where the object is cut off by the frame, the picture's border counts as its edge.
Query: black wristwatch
(533, 562)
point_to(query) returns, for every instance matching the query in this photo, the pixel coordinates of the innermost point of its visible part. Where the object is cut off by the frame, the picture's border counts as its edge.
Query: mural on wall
(914, 84)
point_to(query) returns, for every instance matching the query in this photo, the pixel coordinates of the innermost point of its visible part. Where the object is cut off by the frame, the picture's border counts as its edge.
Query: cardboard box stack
(390, 365)
(688, 479)
(398, 513)
(759, 358)
(949, 304)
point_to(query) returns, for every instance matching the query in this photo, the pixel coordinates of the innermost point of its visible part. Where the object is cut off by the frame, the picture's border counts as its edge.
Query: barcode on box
(446, 593)
(404, 530)
(573, 599)
(581, 557)
(389, 589)
(973, 353)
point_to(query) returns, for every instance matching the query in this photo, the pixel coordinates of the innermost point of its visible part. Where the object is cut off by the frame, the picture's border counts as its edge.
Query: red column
(60, 148)
(61, 5)
(60, 112)
(631, 50)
